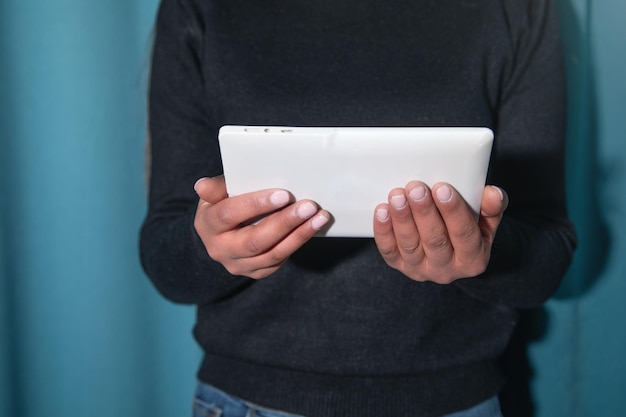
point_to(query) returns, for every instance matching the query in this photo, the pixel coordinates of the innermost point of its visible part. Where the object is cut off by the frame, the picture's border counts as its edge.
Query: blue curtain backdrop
(82, 333)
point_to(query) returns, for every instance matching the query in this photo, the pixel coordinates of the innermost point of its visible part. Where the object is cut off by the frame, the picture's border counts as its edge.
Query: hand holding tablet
(348, 171)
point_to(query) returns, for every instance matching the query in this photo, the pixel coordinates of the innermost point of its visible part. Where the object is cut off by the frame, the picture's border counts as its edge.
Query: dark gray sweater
(336, 332)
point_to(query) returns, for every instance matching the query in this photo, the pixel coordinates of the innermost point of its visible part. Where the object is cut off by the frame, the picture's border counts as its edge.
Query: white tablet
(348, 171)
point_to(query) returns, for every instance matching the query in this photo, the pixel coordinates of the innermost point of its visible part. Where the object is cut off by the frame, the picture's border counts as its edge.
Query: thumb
(494, 202)
(211, 190)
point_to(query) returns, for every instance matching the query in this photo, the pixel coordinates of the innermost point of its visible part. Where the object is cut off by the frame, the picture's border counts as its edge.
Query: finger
(232, 212)
(434, 239)
(404, 228)
(267, 262)
(383, 234)
(260, 238)
(460, 222)
(494, 202)
(298, 237)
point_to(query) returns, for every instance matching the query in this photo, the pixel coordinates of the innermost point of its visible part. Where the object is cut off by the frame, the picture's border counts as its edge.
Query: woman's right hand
(253, 250)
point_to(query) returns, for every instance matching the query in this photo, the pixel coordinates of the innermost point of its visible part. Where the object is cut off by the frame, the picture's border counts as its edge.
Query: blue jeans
(211, 402)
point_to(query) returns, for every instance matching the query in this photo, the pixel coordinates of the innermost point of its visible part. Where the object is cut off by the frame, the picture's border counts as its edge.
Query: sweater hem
(427, 394)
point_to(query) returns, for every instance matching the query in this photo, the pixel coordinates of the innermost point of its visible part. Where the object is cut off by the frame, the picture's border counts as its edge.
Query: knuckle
(276, 257)
(214, 254)
(438, 241)
(261, 273)
(285, 223)
(387, 252)
(447, 279)
(253, 246)
(255, 204)
(442, 277)
(475, 268)
(224, 216)
(409, 248)
(415, 274)
(444, 280)
(199, 225)
(480, 270)
(233, 269)
(466, 234)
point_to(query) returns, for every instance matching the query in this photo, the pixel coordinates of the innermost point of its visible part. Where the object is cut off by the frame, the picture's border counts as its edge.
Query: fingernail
(195, 186)
(418, 193)
(499, 192)
(279, 198)
(319, 221)
(306, 210)
(382, 214)
(444, 193)
(398, 201)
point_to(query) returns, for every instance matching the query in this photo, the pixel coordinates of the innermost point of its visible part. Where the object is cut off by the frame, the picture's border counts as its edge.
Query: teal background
(82, 332)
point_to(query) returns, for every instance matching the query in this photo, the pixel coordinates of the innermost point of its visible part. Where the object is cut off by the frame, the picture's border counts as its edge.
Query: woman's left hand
(433, 235)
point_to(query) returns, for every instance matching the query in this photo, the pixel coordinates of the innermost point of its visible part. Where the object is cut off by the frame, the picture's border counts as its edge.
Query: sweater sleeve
(535, 242)
(183, 148)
